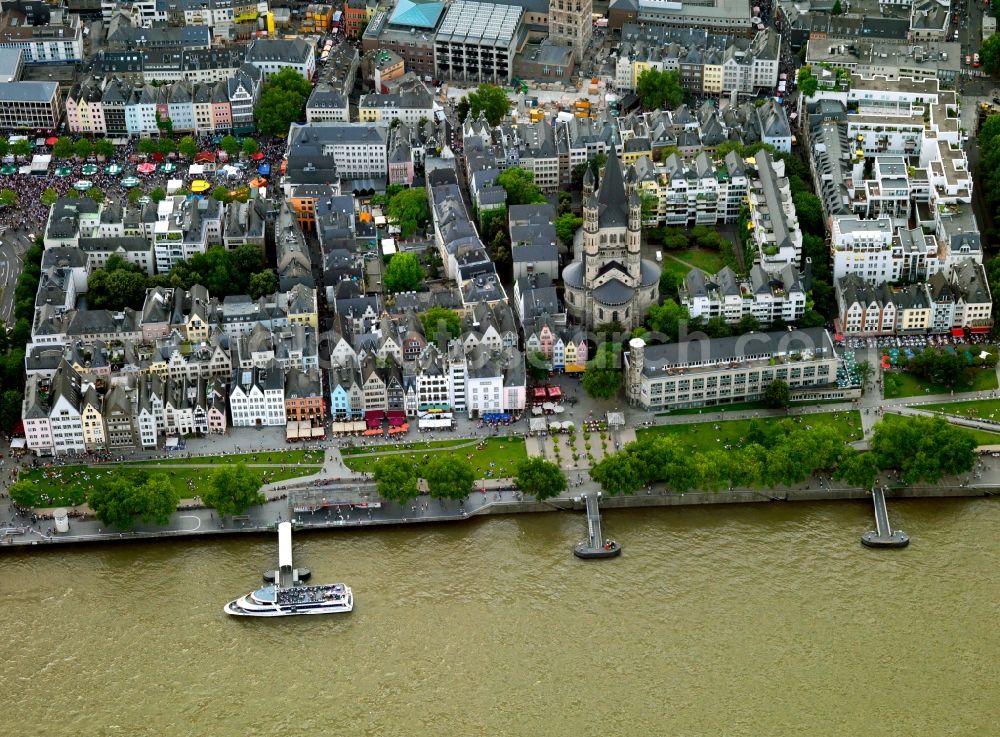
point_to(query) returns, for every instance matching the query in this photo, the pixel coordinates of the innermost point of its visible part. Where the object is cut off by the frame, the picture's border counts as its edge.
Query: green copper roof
(417, 13)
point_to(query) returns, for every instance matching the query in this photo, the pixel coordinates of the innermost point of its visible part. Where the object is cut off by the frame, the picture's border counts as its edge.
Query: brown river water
(757, 620)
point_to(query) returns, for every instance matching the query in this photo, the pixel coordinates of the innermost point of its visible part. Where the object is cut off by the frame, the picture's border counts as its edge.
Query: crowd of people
(30, 212)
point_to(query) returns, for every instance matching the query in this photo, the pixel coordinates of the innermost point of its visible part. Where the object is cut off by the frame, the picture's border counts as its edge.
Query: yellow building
(93, 420)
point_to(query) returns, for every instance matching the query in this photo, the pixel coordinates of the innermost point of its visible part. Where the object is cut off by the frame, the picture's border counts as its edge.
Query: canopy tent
(554, 392)
(200, 185)
(173, 185)
(984, 355)
(548, 407)
(230, 171)
(113, 170)
(558, 409)
(958, 332)
(431, 422)
(83, 185)
(204, 157)
(264, 170)
(173, 442)
(128, 182)
(158, 157)
(63, 171)
(258, 156)
(146, 168)
(372, 432)
(616, 419)
(537, 424)
(168, 168)
(40, 163)
(536, 411)
(89, 170)
(8, 169)
(17, 443)
(196, 170)
(538, 392)
(51, 141)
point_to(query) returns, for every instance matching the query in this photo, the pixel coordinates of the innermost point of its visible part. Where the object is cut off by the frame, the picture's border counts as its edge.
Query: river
(757, 620)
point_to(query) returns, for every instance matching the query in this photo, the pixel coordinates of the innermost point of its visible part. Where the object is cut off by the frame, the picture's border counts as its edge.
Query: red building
(355, 17)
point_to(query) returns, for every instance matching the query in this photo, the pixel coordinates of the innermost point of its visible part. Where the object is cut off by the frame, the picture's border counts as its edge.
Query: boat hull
(588, 553)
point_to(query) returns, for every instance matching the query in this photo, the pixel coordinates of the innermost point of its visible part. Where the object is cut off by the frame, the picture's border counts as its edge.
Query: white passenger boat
(274, 601)
(287, 596)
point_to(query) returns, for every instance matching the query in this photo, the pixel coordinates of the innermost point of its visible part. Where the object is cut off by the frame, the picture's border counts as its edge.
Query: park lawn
(68, 485)
(982, 437)
(416, 444)
(976, 409)
(710, 261)
(705, 436)
(502, 453)
(912, 386)
(265, 458)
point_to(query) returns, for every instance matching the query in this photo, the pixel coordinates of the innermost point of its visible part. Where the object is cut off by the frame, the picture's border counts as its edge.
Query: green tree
(538, 366)
(233, 490)
(96, 194)
(403, 274)
(519, 184)
(923, 449)
(603, 377)
(438, 319)
(158, 194)
(858, 469)
(10, 409)
(135, 194)
(777, 394)
(114, 288)
(166, 146)
(667, 319)
(230, 145)
(488, 99)
(83, 148)
(8, 197)
(409, 210)
(540, 478)
(122, 497)
(147, 146)
(747, 324)
(565, 203)
(659, 90)
(282, 100)
(669, 282)
(104, 148)
(940, 367)
(566, 226)
(21, 149)
(63, 148)
(221, 194)
(448, 476)
(836, 10)
(4, 146)
(810, 212)
(865, 372)
(49, 196)
(806, 82)
(618, 474)
(263, 284)
(989, 55)
(396, 479)
(187, 147)
(250, 147)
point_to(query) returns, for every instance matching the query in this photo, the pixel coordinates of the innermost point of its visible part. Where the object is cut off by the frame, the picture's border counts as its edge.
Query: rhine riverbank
(201, 523)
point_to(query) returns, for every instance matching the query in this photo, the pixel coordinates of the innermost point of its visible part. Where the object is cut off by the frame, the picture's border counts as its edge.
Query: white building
(257, 397)
(360, 150)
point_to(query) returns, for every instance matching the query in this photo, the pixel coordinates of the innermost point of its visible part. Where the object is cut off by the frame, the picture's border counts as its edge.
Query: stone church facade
(609, 281)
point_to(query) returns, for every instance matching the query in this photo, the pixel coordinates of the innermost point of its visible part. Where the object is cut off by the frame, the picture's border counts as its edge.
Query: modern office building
(476, 42)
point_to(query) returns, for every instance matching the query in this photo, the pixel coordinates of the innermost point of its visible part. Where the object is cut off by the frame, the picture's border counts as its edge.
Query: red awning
(981, 330)
(258, 156)
(51, 141)
(958, 332)
(397, 421)
(396, 413)
(539, 392)
(157, 157)
(838, 337)
(203, 157)
(555, 392)
(374, 414)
